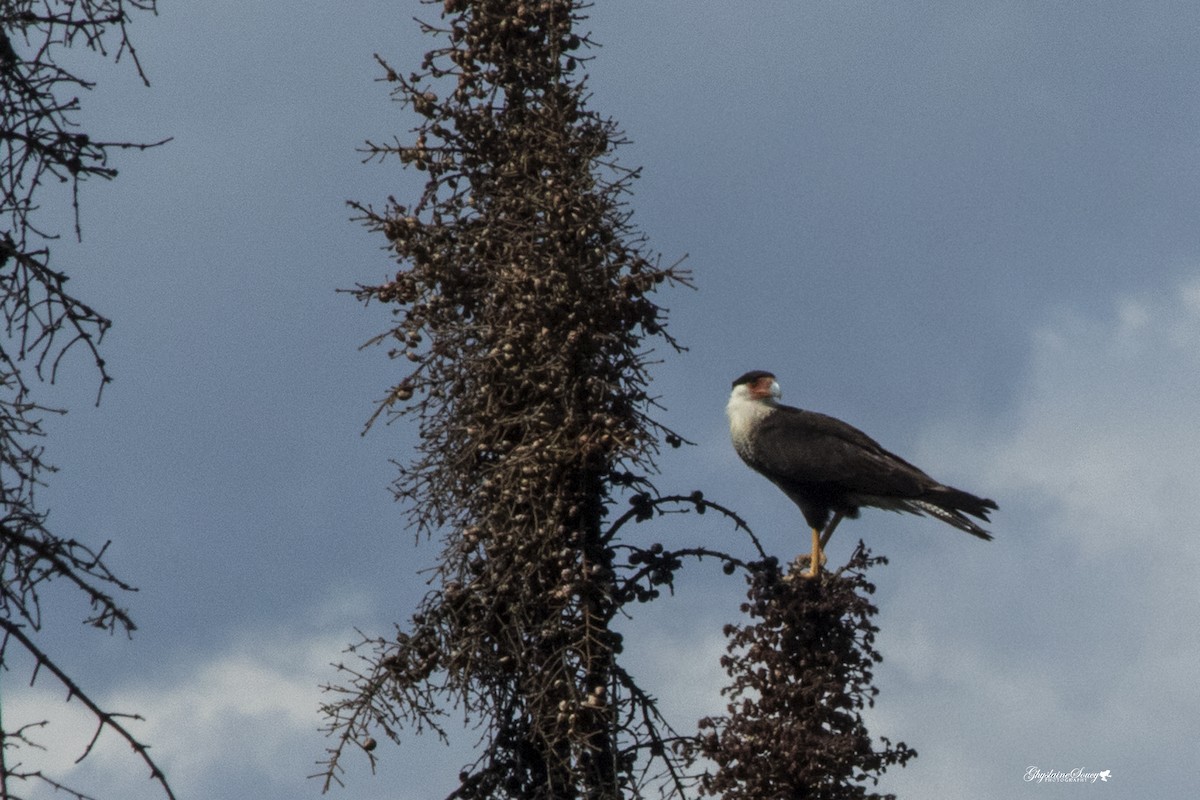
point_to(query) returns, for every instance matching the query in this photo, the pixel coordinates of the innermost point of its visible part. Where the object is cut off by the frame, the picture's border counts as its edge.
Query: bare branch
(104, 719)
(41, 145)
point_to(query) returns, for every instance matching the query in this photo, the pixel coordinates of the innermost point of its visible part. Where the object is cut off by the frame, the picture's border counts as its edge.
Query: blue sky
(971, 231)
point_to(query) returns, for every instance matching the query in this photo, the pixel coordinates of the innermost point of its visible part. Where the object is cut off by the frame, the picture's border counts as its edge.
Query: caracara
(831, 469)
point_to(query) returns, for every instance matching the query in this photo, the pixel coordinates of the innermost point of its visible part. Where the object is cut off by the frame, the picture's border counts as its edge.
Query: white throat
(745, 411)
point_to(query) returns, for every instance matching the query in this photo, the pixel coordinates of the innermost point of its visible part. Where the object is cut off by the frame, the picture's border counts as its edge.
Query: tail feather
(950, 505)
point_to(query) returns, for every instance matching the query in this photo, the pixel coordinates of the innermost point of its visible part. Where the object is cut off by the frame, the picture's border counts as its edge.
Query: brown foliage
(801, 678)
(524, 312)
(523, 304)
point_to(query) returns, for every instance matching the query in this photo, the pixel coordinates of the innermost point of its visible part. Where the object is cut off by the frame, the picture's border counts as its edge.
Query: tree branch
(104, 719)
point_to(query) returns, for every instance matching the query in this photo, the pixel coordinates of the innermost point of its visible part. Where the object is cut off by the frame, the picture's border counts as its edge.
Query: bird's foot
(802, 567)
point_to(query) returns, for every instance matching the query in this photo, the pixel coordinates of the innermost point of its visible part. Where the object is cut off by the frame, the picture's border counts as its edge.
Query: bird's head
(756, 385)
(753, 397)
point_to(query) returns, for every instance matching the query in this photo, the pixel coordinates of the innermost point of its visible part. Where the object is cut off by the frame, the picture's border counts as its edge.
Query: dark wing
(826, 465)
(805, 448)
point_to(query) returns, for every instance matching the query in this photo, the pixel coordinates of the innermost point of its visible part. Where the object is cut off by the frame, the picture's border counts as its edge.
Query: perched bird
(831, 469)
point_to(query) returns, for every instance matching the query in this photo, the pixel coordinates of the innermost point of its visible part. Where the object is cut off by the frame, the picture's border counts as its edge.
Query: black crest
(752, 376)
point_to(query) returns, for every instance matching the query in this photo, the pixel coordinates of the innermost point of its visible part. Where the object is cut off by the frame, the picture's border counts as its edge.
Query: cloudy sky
(969, 229)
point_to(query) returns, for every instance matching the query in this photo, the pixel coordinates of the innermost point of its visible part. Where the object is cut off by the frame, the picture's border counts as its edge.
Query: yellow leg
(820, 539)
(814, 563)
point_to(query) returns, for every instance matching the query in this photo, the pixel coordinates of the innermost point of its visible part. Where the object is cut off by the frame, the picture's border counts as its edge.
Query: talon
(802, 567)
